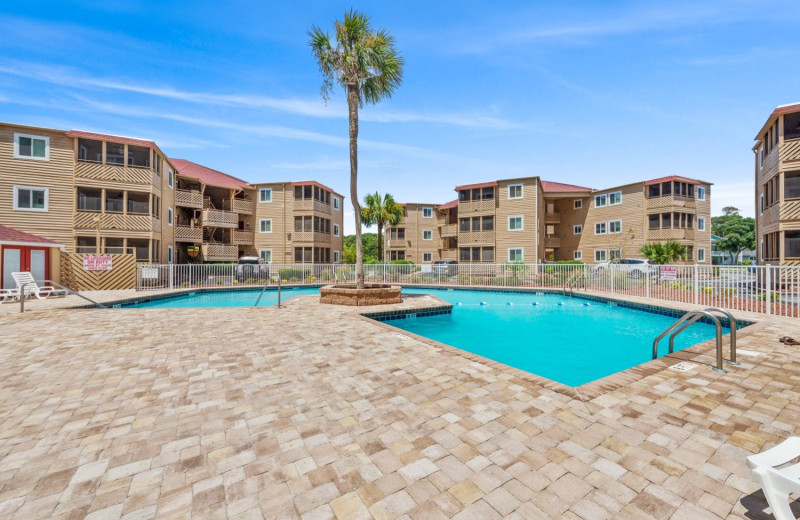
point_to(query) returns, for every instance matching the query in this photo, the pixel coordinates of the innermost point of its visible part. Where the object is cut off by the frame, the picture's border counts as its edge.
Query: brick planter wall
(371, 295)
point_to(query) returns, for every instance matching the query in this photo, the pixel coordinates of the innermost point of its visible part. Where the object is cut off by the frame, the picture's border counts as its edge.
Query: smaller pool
(237, 298)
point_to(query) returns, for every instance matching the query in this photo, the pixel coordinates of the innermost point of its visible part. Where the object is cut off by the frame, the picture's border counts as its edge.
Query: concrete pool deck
(311, 412)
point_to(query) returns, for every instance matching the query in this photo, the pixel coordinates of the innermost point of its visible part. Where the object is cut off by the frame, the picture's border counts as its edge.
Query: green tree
(380, 212)
(737, 232)
(369, 245)
(730, 210)
(663, 252)
(366, 64)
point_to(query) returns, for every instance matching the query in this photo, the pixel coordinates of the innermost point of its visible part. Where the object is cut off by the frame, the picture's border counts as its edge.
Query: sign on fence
(97, 263)
(669, 272)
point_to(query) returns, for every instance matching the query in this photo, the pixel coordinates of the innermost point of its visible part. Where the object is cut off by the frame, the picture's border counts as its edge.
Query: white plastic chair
(25, 279)
(8, 295)
(778, 484)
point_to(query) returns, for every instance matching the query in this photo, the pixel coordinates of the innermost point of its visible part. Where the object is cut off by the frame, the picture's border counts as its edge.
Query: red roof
(479, 185)
(548, 186)
(314, 183)
(112, 138)
(447, 205)
(674, 178)
(786, 109)
(207, 175)
(11, 236)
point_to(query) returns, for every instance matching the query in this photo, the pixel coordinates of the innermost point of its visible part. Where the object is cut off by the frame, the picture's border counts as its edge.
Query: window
(265, 225)
(599, 255)
(701, 254)
(336, 255)
(171, 178)
(615, 226)
(169, 216)
(515, 223)
(90, 199)
(514, 191)
(336, 230)
(615, 198)
(654, 190)
(577, 255)
(336, 203)
(487, 254)
(31, 147)
(265, 195)
(701, 193)
(600, 228)
(701, 224)
(138, 203)
(427, 258)
(487, 224)
(762, 203)
(463, 224)
(169, 254)
(666, 220)
(791, 245)
(600, 201)
(265, 255)
(476, 223)
(654, 221)
(577, 229)
(27, 198)
(577, 204)
(138, 156)
(115, 153)
(488, 193)
(614, 254)
(791, 185)
(90, 150)
(427, 234)
(114, 200)
(515, 254)
(463, 254)
(427, 212)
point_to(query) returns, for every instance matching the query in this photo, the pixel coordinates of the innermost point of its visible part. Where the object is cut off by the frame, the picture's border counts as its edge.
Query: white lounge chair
(9, 295)
(777, 483)
(26, 284)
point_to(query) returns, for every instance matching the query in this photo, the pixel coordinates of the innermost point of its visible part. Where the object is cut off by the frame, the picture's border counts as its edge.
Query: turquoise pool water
(559, 338)
(571, 343)
(226, 298)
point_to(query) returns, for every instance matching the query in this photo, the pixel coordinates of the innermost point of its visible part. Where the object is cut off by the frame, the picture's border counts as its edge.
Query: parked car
(635, 267)
(445, 267)
(251, 268)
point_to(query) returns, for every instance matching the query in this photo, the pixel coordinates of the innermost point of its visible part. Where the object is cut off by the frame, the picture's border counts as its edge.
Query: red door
(35, 260)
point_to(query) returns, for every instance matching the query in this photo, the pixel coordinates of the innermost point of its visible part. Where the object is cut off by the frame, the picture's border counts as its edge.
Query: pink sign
(669, 272)
(96, 263)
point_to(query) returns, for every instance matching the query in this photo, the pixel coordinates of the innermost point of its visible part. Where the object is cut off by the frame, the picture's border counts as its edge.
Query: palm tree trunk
(352, 105)
(380, 242)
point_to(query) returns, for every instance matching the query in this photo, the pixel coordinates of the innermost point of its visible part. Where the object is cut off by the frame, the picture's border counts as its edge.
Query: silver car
(635, 267)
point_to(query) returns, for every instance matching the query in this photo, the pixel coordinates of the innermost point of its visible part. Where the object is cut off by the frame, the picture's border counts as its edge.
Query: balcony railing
(188, 234)
(129, 222)
(449, 254)
(472, 206)
(396, 243)
(220, 252)
(220, 218)
(670, 234)
(676, 201)
(552, 218)
(448, 230)
(790, 150)
(552, 242)
(469, 238)
(312, 205)
(189, 198)
(116, 172)
(244, 206)
(311, 236)
(244, 238)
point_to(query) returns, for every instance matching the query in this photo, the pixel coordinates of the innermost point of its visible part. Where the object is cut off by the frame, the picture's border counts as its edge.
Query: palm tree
(663, 252)
(366, 64)
(380, 212)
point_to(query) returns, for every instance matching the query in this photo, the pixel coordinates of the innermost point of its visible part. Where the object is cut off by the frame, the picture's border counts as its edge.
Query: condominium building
(530, 220)
(777, 193)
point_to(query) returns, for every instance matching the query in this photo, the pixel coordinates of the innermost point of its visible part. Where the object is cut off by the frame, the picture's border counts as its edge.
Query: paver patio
(310, 412)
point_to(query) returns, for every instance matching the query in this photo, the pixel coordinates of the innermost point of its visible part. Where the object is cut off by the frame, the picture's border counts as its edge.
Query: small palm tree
(663, 252)
(367, 65)
(381, 212)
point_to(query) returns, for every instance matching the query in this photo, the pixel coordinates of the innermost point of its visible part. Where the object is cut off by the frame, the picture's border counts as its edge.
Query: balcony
(790, 150)
(396, 243)
(189, 199)
(552, 218)
(220, 252)
(314, 237)
(449, 254)
(241, 206)
(116, 221)
(553, 242)
(474, 206)
(244, 238)
(671, 201)
(220, 218)
(670, 234)
(472, 238)
(188, 234)
(448, 230)
(117, 172)
(311, 205)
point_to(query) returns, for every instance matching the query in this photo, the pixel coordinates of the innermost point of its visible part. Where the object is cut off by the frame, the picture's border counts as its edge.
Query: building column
(125, 202)
(781, 248)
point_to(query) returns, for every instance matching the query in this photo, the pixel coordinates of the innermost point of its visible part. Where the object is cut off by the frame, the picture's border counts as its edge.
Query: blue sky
(590, 93)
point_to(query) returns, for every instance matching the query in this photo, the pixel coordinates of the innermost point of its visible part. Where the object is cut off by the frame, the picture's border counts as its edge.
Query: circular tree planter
(371, 294)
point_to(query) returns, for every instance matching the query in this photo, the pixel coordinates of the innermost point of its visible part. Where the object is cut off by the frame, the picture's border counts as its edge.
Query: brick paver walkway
(310, 412)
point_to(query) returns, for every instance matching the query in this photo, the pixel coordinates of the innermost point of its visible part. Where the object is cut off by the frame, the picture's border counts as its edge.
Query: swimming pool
(237, 298)
(573, 343)
(569, 340)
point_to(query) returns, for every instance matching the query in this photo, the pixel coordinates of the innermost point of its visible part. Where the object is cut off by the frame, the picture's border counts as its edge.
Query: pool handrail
(694, 316)
(24, 296)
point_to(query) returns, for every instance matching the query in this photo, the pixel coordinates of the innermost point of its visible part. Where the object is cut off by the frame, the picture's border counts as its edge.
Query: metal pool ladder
(692, 316)
(573, 281)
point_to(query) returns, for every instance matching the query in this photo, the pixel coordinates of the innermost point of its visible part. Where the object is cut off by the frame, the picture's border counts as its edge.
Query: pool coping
(592, 389)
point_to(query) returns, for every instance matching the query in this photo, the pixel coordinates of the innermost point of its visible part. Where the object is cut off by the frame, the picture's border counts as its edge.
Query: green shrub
(295, 273)
(250, 280)
(773, 296)
(570, 262)
(708, 290)
(293, 279)
(311, 278)
(185, 284)
(402, 262)
(747, 262)
(220, 282)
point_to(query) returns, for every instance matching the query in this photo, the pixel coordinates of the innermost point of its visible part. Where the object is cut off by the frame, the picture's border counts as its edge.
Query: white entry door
(12, 262)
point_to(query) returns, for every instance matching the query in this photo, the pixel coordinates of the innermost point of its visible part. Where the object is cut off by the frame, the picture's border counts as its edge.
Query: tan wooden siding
(121, 276)
(527, 208)
(569, 217)
(282, 215)
(55, 175)
(631, 211)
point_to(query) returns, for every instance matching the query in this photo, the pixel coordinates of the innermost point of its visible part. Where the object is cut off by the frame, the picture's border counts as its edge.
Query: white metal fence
(764, 289)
